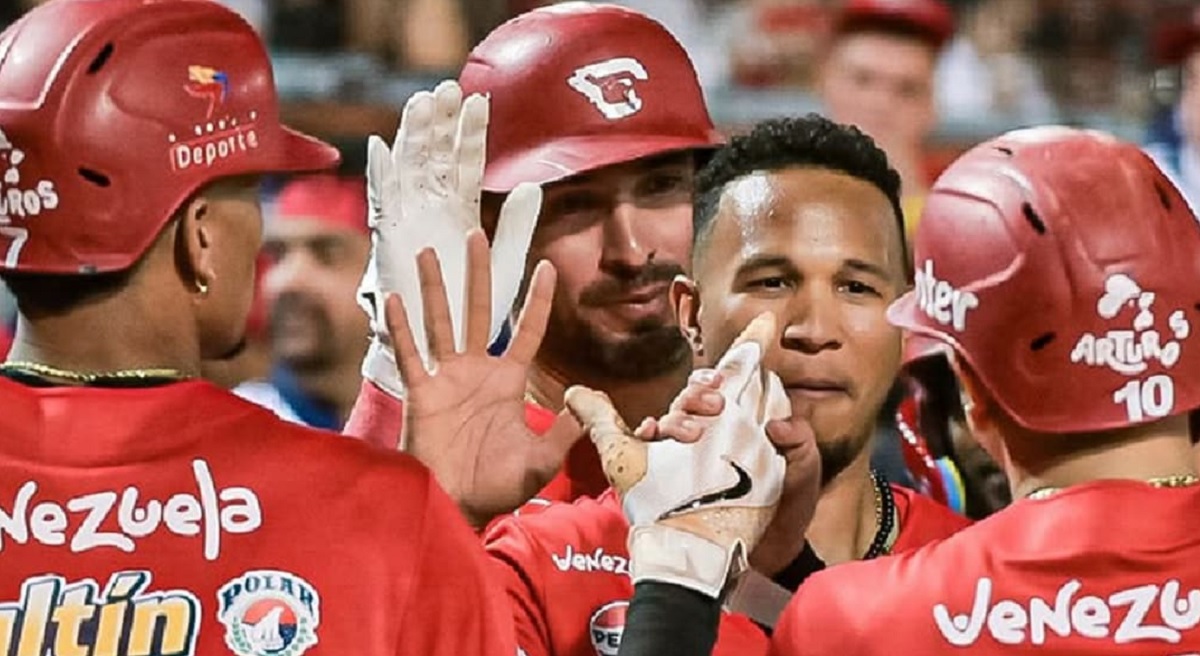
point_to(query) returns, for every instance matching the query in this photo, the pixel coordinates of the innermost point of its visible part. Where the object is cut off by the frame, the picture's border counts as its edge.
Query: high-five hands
(699, 507)
(465, 413)
(423, 193)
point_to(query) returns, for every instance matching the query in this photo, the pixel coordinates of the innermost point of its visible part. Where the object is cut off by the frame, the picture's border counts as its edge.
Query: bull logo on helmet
(610, 85)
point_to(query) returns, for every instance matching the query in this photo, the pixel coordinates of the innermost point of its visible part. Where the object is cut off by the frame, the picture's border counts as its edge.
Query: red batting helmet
(1062, 266)
(112, 113)
(577, 86)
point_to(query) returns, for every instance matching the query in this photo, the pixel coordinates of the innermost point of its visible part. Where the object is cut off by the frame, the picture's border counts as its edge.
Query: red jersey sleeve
(377, 417)
(509, 548)
(455, 588)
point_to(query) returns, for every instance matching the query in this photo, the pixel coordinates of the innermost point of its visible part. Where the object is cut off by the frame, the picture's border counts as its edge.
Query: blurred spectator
(1087, 49)
(317, 245)
(878, 74)
(984, 69)
(1174, 142)
(422, 35)
(775, 43)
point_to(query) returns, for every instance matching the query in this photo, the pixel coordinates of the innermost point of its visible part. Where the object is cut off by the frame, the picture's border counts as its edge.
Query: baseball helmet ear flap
(1052, 261)
(579, 86)
(113, 113)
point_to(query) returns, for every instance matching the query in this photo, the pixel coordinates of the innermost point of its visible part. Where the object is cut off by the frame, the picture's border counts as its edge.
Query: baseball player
(1030, 270)
(599, 105)
(1070, 329)
(566, 566)
(143, 510)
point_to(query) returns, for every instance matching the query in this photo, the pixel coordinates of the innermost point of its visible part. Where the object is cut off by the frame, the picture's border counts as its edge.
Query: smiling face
(310, 287)
(822, 251)
(617, 237)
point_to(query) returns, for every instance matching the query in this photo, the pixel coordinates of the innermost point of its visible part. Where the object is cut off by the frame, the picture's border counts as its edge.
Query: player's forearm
(804, 565)
(665, 619)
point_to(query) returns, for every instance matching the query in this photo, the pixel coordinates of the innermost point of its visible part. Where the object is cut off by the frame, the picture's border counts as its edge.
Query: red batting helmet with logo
(1062, 265)
(113, 113)
(578, 86)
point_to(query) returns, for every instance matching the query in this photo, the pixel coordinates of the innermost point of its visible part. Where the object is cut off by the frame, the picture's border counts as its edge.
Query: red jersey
(1106, 568)
(566, 568)
(567, 574)
(922, 520)
(378, 417)
(180, 519)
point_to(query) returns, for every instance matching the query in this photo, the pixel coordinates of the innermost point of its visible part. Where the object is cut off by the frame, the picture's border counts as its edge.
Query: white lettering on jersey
(597, 561)
(54, 616)
(941, 301)
(232, 510)
(1014, 623)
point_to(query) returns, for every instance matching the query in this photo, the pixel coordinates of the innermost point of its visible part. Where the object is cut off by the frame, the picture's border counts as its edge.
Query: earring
(202, 287)
(696, 342)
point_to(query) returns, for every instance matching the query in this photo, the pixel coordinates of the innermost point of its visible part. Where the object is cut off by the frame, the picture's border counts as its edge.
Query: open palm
(465, 416)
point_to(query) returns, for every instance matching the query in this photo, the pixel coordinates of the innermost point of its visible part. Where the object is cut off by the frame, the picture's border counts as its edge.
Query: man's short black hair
(41, 294)
(810, 141)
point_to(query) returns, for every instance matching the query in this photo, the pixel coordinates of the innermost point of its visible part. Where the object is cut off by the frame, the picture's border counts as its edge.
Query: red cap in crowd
(1176, 37)
(337, 201)
(930, 19)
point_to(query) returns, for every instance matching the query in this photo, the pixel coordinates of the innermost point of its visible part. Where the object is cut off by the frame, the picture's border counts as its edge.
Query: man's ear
(194, 244)
(685, 298)
(978, 405)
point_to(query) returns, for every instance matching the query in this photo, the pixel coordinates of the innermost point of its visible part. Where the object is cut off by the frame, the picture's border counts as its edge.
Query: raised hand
(425, 193)
(464, 415)
(698, 508)
(695, 409)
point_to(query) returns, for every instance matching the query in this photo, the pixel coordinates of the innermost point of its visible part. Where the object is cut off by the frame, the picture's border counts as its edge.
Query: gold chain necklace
(1178, 480)
(38, 369)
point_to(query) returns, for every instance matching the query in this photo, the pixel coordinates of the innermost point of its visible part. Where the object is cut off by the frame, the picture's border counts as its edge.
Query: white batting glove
(425, 193)
(697, 509)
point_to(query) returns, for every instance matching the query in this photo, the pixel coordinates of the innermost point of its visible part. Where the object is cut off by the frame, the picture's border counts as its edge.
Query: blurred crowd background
(346, 66)
(928, 82)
